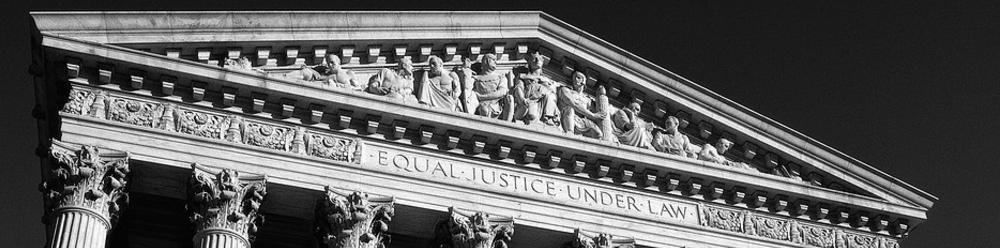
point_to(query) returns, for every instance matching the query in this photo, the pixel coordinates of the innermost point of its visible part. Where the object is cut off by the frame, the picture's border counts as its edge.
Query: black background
(910, 88)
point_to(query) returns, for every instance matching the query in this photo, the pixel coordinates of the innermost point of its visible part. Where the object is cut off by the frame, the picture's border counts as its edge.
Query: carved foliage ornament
(586, 239)
(478, 230)
(767, 227)
(722, 218)
(812, 235)
(225, 201)
(353, 220)
(133, 111)
(333, 147)
(86, 177)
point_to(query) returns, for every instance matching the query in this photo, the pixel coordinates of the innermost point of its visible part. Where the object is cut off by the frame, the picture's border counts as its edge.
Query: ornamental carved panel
(812, 235)
(721, 218)
(264, 135)
(767, 227)
(79, 101)
(856, 240)
(333, 147)
(200, 123)
(134, 112)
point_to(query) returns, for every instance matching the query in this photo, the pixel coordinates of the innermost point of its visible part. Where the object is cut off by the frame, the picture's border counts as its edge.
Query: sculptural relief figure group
(524, 94)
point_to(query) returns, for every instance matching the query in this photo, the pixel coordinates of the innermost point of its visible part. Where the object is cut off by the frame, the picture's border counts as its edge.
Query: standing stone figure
(439, 88)
(330, 72)
(672, 140)
(630, 129)
(579, 114)
(491, 90)
(468, 98)
(396, 83)
(534, 93)
(715, 153)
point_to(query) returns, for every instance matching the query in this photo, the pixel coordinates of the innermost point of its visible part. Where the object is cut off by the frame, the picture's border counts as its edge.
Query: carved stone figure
(396, 83)
(491, 88)
(534, 93)
(579, 114)
(467, 96)
(478, 230)
(630, 128)
(671, 140)
(225, 201)
(329, 72)
(715, 153)
(439, 88)
(353, 220)
(241, 63)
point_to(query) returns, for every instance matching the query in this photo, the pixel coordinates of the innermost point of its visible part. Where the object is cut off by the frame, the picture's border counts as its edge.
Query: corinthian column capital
(585, 239)
(473, 230)
(223, 207)
(86, 178)
(353, 220)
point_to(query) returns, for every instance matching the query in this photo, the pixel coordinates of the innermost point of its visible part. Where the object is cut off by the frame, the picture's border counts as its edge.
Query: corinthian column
(83, 195)
(473, 230)
(224, 207)
(353, 220)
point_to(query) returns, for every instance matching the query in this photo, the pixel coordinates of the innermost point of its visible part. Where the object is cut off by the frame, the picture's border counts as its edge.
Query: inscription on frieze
(486, 177)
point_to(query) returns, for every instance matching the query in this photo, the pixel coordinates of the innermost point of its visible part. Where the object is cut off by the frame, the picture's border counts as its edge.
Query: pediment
(277, 43)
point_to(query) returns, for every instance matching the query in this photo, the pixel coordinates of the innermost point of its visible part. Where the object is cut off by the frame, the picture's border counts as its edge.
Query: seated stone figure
(439, 88)
(328, 72)
(579, 115)
(241, 63)
(491, 90)
(396, 83)
(534, 94)
(468, 99)
(672, 140)
(630, 128)
(715, 153)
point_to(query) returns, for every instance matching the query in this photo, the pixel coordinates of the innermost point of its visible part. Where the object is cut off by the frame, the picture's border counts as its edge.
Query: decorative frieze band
(754, 215)
(353, 220)
(585, 239)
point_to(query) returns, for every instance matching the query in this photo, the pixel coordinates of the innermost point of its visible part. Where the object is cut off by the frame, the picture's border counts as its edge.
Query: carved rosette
(353, 220)
(333, 147)
(723, 218)
(201, 124)
(225, 202)
(478, 230)
(87, 178)
(586, 239)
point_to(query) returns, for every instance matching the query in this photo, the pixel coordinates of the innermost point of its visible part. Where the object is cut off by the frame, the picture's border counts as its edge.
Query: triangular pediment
(277, 43)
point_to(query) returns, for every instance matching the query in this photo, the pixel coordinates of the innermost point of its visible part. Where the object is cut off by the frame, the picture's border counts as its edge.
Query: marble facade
(454, 129)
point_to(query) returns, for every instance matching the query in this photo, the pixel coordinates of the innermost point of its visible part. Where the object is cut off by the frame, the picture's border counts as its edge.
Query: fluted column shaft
(79, 228)
(220, 238)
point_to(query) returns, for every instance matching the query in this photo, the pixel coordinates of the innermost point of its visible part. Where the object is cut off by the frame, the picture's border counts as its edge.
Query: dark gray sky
(910, 88)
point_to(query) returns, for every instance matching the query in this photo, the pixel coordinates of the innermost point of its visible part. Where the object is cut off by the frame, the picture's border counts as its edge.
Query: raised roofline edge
(761, 124)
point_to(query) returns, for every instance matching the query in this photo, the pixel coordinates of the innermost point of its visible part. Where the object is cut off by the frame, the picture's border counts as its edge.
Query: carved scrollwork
(586, 239)
(225, 200)
(889, 243)
(353, 220)
(768, 227)
(133, 111)
(855, 240)
(86, 177)
(267, 136)
(478, 230)
(79, 101)
(721, 218)
(333, 148)
(201, 124)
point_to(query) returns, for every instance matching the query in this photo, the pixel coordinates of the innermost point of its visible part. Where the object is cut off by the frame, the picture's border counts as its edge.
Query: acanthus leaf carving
(353, 220)
(79, 102)
(225, 200)
(473, 230)
(585, 239)
(86, 177)
(267, 136)
(768, 227)
(813, 235)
